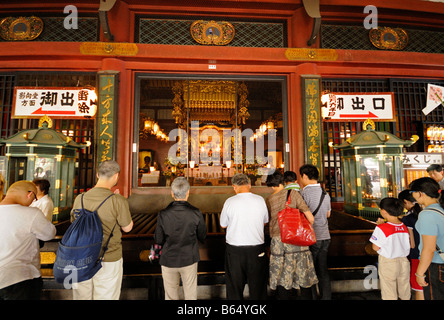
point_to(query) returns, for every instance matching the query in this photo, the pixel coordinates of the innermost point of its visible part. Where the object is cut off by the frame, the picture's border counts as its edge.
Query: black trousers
(435, 279)
(246, 265)
(24, 290)
(319, 252)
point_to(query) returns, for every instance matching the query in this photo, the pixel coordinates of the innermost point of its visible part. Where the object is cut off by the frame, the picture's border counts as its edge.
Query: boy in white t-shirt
(392, 242)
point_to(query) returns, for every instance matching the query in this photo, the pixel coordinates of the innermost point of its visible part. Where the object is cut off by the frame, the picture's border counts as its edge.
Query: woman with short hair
(291, 266)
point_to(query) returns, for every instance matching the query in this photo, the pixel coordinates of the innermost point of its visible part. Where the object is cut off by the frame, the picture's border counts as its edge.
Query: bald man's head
(21, 192)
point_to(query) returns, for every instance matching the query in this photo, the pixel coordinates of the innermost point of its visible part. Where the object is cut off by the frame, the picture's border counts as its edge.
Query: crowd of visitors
(408, 239)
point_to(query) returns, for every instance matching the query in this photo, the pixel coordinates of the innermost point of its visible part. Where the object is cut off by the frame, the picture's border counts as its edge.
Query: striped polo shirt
(312, 196)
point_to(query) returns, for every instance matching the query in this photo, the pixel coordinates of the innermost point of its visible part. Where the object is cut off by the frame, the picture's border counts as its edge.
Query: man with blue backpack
(114, 214)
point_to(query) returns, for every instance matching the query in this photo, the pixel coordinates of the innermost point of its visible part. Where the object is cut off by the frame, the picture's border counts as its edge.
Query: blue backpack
(77, 257)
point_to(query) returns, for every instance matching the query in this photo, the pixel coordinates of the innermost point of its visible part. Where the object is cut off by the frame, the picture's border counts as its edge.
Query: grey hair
(107, 169)
(240, 179)
(180, 187)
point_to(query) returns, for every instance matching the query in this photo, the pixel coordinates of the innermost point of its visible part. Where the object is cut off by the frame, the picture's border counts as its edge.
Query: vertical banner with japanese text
(311, 107)
(106, 116)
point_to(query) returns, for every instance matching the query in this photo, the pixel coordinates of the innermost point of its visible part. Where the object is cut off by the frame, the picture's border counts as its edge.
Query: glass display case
(43, 153)
(372, 166)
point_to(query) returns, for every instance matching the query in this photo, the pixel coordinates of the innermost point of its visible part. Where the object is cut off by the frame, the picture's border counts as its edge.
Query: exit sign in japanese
(34, 102)
(358, 106)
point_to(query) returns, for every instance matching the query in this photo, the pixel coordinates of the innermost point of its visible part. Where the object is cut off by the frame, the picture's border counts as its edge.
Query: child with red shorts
(409, 219)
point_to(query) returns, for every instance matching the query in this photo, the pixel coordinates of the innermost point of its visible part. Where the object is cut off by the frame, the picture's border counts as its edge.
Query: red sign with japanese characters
(35, 102)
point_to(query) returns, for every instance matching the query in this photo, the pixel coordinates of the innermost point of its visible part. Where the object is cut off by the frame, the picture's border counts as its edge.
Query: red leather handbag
(295, 228)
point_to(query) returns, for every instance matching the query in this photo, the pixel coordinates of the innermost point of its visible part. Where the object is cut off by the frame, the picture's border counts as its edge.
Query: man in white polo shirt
(245, 215)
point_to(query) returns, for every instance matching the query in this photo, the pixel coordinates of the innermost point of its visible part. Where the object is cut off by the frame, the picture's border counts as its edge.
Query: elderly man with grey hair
(179, 228)
(245, 216)
(436, 172)
(115, 217)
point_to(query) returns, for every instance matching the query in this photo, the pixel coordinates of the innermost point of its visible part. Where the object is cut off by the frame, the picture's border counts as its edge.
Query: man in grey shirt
(313, 195)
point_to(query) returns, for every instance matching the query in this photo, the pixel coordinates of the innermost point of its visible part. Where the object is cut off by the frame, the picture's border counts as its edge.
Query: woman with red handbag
(291, 266)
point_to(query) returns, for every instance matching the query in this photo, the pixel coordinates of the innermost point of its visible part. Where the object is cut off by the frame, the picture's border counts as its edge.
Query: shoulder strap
(437, 210)
(111, 234)
(81, 199)
(102, 201)
(320, 202)
(77, 211)
(107, 242)
(442, 213)
(288, 201)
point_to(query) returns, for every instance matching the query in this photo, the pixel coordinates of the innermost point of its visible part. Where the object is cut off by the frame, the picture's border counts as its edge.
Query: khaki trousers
(105, 285)
(394, 278)
(171, 280)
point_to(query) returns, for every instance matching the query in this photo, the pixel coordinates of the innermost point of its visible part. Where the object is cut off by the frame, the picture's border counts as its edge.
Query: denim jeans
(435, 279)
(319, 252)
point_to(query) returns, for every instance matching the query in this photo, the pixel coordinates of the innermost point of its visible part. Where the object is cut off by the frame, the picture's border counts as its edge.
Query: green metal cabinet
(43, 153)
(372, 169)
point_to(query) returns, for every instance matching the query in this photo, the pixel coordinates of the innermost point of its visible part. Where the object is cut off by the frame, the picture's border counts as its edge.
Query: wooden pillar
(297, 120)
